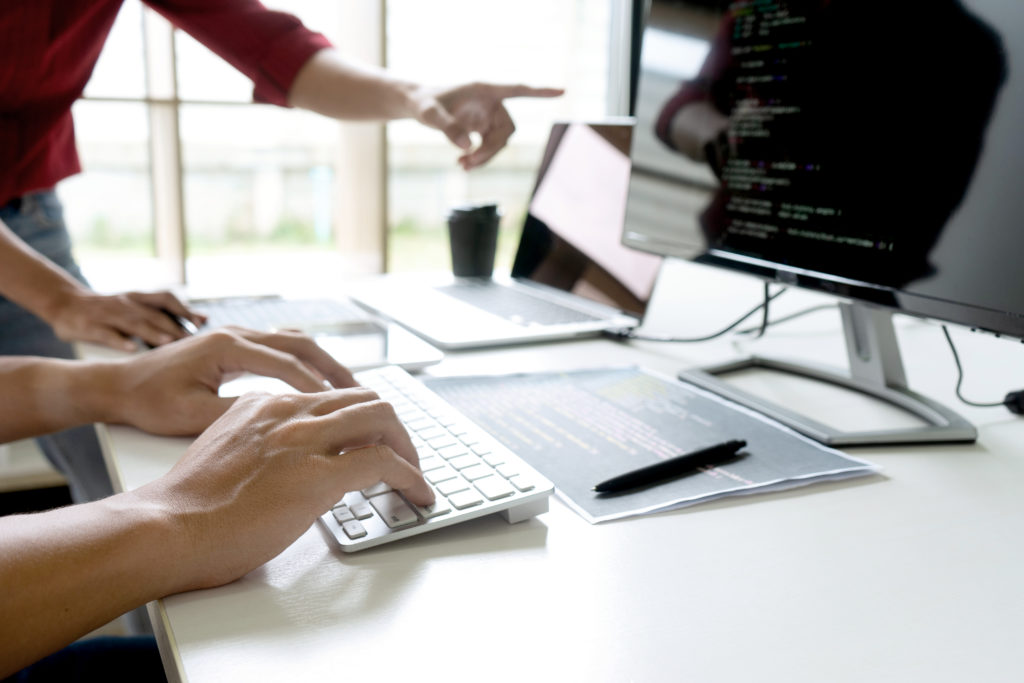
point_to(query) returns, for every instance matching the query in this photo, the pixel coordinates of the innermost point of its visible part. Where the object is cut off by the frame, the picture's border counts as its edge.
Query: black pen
(671, 468)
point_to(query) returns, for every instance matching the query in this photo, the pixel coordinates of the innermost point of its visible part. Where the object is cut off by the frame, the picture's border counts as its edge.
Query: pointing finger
(504, 91)
(438, 117)
(493, 140)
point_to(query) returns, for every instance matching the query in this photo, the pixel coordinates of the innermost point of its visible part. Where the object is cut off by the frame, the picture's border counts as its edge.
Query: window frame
(362, 195)
(361, 170)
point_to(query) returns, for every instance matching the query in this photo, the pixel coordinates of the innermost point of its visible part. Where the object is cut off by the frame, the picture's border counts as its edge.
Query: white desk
(915, 575)
(23, 467)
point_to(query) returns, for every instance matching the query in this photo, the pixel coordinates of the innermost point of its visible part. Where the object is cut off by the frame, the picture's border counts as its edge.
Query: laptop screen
(572, 234)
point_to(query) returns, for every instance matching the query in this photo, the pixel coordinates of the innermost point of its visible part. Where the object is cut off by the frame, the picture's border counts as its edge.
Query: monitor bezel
(996, 322)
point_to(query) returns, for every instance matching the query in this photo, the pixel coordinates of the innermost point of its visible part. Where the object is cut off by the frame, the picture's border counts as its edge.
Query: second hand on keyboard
(471, 473)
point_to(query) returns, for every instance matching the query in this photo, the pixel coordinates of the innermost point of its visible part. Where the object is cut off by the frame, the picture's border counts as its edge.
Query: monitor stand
(875, 369)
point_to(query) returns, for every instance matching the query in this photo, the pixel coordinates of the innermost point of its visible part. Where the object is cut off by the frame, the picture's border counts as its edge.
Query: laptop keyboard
(471, 473)
(513, 304)
(269, 313)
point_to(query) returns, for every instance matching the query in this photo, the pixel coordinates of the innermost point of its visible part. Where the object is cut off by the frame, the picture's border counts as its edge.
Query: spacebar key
(393, 510)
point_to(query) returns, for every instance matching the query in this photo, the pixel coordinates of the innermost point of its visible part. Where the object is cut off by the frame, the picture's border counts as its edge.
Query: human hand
(112, 320)
(261, 475)
(474, 108)
(700, 131)
(173, 390)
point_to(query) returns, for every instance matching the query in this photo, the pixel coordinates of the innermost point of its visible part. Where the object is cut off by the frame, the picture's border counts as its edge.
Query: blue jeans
(39, 221)
(107, 659)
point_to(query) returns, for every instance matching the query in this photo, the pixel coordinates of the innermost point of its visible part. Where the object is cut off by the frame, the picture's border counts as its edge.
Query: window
(109, 208)
(537, 42)
(187, 180)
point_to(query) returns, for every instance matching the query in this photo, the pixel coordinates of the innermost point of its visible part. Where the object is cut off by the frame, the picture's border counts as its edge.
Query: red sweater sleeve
(267, 46)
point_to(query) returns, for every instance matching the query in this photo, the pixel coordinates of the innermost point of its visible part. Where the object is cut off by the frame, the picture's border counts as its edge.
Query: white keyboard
(271, 312)
(471, 473)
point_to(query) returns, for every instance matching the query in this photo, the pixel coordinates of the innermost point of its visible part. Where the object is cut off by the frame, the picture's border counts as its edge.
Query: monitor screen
(572, 235)
(872, 150)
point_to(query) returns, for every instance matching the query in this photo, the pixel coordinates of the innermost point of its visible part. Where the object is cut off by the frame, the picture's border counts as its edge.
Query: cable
(764, 314)
(631, 334)
(787, 318)
(1014, 401)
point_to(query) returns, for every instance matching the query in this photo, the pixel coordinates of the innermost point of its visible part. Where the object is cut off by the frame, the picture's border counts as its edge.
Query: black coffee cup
(473, 235)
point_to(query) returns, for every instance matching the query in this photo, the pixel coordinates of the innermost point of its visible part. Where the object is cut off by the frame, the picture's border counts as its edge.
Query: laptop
(571, 276)
(347, 332)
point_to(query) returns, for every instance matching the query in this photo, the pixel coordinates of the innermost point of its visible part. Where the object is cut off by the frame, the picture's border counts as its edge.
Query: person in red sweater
(48, 49)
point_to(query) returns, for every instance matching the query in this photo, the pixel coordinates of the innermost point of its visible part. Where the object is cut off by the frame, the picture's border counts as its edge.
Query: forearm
(68, 571)
(43, 395)
(29, 279)
(330, 86)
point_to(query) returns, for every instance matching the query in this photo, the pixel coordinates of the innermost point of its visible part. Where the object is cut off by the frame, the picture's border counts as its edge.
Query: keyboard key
(522, 483)
(470, 438)
(440, 442)
(453, 451)
(434, 432)
(361, 510)
(420, 423)
(507, 471)
(376, 490)
(436, 411)
(343, 514)
(447, 488)
(441, 474)
(494, 459)
(440, 507)
(353, 529)
(494, 488)
(393, 509)
(450, 422)
(476, 472)
(464, 461)
(465, 499)
(431, 462)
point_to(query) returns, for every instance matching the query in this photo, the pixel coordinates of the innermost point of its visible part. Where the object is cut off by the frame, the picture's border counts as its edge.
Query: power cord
(768, 297)
(787, 318)
(1014, 401)
(764, 312)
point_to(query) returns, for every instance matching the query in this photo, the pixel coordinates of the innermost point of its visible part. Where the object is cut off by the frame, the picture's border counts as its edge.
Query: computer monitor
(870, 150)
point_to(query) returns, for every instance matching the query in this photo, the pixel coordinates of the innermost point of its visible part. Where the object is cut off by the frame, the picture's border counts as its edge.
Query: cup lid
(483, 208)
